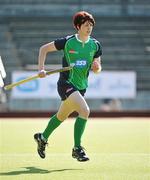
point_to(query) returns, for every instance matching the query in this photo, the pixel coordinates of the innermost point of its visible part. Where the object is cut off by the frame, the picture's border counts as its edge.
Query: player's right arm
(56, 45)
(46, 48)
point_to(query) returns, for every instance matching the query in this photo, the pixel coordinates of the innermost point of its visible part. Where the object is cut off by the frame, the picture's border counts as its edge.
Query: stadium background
(118, 147)
(123, 28)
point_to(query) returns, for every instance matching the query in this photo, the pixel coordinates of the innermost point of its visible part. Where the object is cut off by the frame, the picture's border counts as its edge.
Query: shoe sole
(80, 160)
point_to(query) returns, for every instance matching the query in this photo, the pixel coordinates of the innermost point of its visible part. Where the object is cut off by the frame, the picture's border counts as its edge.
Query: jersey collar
(76, 35)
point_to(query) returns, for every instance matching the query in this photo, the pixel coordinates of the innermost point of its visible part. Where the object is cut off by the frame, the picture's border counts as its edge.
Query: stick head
(7, 87)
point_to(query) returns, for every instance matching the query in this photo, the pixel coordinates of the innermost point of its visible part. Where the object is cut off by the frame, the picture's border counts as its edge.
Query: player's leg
(62, 114)
(75, 102)
(79, 104)
(82, 108)
(42, 138)
(64, 110)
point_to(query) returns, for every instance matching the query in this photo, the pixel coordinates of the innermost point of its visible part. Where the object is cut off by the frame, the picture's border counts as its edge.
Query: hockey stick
(10, 86)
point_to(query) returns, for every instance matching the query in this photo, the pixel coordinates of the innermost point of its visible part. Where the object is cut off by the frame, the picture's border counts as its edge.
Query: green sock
(79, 127)
(52, 125)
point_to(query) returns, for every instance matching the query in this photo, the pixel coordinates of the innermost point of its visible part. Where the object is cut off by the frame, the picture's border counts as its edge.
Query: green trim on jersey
(82, 55)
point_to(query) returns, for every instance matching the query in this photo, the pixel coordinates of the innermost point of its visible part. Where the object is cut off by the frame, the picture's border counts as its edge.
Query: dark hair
(81, 17)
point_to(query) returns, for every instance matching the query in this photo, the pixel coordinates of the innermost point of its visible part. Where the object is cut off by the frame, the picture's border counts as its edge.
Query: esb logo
(80, 63)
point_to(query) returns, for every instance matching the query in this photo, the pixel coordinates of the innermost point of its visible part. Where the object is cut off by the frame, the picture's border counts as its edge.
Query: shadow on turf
(34, 170)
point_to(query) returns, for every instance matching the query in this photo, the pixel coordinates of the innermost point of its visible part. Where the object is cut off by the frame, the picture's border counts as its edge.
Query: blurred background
(122, 27)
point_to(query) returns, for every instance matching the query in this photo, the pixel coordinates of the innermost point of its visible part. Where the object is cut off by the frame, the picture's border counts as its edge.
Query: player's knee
(84, 112)
(61, 117)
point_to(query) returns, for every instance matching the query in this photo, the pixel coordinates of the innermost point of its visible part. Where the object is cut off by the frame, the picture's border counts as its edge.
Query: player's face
(86, 28)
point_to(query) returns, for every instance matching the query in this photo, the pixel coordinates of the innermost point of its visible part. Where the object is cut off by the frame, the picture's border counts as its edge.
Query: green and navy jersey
(81, 55)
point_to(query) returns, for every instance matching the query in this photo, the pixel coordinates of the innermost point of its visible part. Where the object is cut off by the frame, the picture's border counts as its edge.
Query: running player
(85, 53)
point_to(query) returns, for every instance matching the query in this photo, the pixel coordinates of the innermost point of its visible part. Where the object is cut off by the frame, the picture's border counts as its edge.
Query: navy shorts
(65, 89)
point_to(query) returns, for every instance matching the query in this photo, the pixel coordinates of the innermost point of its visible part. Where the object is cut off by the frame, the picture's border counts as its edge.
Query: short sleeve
(99, 50)
(60, 43)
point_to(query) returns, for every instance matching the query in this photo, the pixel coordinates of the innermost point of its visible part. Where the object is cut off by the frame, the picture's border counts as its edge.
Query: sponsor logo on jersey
(72, 51)
(81, 63)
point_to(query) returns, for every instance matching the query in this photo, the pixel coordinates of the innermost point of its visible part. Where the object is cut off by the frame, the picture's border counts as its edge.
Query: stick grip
(59, 70)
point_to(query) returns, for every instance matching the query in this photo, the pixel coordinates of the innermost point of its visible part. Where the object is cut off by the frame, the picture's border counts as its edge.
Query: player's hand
(96, 66)
(42, 73)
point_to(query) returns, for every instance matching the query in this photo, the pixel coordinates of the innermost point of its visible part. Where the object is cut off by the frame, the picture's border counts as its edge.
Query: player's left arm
(96, 65)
